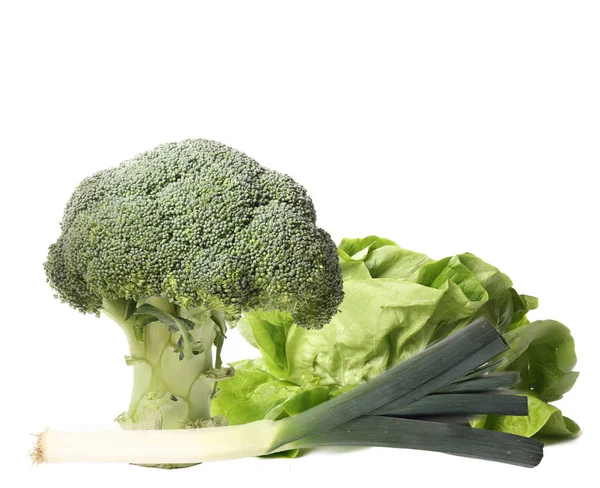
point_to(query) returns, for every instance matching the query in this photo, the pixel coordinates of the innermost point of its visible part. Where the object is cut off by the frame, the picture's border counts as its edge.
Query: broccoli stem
(168, 392)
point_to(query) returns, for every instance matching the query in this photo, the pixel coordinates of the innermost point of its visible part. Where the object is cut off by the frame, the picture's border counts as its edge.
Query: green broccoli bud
(202, 225)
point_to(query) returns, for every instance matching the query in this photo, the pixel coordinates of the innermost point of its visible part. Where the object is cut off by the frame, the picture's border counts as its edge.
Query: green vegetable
(353, 418)
(429, 436)
(176, 243)
(185, 239)
(455, 404)
(397, 302)
(257, 394)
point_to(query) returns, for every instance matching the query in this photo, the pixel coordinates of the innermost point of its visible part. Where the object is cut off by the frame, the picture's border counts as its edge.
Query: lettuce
(397, 302)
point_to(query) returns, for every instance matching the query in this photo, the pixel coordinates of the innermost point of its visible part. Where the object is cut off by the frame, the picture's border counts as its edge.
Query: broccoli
(175, 244)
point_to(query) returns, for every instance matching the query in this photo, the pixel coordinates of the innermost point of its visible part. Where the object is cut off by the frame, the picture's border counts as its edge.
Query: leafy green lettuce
(396, 303)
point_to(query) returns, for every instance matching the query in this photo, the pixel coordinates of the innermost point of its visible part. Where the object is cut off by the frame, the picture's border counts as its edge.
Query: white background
(445, 126)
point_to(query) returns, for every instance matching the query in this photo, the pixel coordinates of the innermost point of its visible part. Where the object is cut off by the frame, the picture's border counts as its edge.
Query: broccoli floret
(203, 225)
(202, 232)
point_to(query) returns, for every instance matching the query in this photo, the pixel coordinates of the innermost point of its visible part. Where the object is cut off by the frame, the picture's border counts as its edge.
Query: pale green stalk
(168, 392)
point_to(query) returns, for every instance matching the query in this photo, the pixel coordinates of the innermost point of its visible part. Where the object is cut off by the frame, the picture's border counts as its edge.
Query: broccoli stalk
(175, 244)
(171, 388)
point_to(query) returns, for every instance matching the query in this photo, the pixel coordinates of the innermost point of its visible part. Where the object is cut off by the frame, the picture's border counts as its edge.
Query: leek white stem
(156, 446)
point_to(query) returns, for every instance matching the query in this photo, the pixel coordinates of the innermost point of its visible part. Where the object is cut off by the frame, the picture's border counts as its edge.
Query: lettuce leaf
(256, 394)
(396, 303)
(543, 352)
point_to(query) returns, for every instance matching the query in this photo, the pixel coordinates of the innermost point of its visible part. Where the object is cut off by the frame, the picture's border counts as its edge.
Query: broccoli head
(202, 225)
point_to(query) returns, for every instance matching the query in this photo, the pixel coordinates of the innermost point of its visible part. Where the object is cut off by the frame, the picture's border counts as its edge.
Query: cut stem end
(37, 454)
